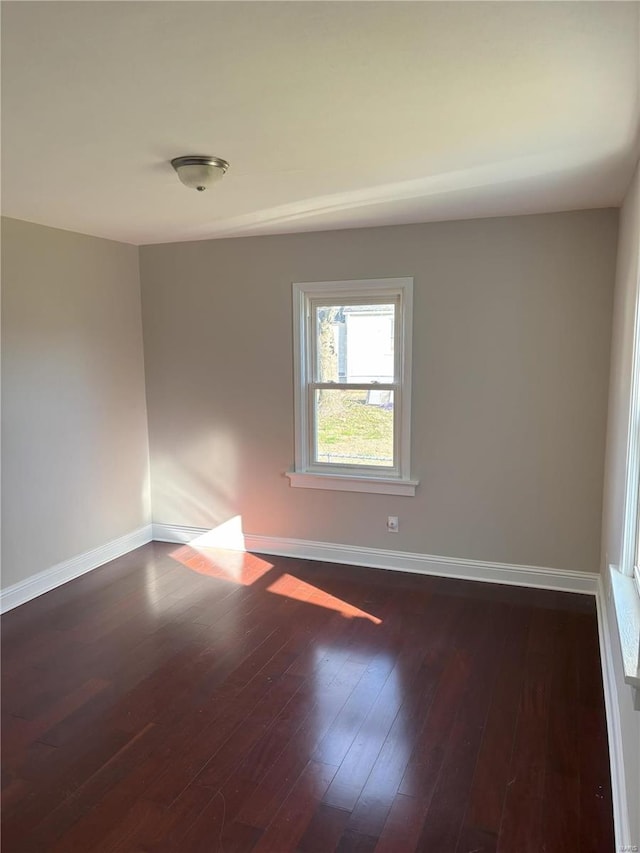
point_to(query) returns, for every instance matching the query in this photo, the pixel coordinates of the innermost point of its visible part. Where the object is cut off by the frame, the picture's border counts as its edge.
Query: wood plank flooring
(183, 700)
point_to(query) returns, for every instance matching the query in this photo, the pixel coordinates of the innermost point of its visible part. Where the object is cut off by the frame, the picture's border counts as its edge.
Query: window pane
(354, 427)
(355, 343)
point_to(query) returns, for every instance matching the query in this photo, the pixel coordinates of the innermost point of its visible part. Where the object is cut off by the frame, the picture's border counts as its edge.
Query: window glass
(355, 343)
(354, 427)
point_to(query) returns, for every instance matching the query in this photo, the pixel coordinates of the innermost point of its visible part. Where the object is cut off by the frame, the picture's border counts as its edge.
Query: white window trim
(632, 485)
(624, 580)
(343, 478)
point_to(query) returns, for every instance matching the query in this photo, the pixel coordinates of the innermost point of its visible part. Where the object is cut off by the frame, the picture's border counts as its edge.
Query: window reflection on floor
(360, 724)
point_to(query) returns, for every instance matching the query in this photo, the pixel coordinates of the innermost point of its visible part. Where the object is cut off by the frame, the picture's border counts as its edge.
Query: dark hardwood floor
(182, 701)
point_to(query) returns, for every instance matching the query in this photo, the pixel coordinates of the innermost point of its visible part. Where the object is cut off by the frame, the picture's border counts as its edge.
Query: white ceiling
(332, 115)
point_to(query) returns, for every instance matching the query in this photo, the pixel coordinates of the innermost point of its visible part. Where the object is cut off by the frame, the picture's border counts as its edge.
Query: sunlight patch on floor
(234, 566)
(300, 590)
(220, 553)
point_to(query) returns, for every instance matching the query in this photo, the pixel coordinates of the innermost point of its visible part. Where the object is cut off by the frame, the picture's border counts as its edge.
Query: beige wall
(626, 295)
(511, 353)
(74, 431)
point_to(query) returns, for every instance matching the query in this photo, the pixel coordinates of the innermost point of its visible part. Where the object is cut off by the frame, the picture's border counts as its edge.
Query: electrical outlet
(392, 524)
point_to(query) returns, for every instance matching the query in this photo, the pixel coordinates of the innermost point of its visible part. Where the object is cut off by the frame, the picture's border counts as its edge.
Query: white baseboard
(614, 730)
(178, 533)
(476, 570)
(49, 579)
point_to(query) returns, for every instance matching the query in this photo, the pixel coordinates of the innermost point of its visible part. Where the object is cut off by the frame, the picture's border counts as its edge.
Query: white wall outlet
(392, 523)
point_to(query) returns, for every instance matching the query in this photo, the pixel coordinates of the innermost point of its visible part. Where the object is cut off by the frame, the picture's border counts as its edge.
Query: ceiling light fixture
(199, 173)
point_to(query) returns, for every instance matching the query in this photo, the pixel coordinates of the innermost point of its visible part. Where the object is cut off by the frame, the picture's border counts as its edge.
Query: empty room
(320, 427)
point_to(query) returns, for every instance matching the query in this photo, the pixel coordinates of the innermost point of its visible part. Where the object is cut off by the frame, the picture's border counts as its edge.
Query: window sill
(627, 606)
(349, 483)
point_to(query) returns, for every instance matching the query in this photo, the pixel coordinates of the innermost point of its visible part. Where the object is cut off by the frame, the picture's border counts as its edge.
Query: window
(630, 556)
(352, 351)
(625, 580)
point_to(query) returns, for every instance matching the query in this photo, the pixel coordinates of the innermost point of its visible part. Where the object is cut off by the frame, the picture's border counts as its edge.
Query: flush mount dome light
(199, 173)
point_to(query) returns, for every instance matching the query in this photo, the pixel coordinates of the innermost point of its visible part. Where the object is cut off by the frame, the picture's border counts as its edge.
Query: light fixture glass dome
(199, 173)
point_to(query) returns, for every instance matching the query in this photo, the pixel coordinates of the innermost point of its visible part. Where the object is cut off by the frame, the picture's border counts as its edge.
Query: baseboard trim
(23, 591)
(476, 570)
(621, 823)
(176, 533)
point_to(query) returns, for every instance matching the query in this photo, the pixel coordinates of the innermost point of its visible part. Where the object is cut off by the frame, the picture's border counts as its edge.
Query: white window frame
(629, 550)
(339, 477)
(625, 579)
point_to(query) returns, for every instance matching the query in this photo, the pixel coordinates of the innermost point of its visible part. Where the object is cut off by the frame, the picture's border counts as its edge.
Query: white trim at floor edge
(614, 731)
(67, 570)
(403, 561)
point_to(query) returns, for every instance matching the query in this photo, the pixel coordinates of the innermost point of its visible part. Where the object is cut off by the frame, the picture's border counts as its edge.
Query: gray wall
(511, 358)
(626, 295)
(74, 430)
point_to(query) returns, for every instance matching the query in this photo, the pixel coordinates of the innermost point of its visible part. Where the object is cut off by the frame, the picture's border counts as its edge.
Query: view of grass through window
(354, 427)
